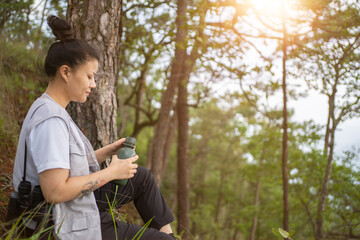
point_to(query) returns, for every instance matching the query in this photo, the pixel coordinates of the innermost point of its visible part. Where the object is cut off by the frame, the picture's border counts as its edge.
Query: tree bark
(169, 141)
(182, 108)
(329, 150)
(285, 127)
(99, 23)
(183, 171)
(167, 99)
(256, 199)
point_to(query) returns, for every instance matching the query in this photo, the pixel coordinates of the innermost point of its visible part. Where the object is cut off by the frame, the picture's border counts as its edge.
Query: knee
(145, 174)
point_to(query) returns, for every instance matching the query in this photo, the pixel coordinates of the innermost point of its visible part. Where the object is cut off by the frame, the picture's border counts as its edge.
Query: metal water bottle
(126, 151)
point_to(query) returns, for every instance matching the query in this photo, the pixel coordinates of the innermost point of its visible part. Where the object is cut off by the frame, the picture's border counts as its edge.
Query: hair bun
(60, 28)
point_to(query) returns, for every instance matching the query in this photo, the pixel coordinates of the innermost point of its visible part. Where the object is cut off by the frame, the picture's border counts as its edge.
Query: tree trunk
(27, 24)
(139, 93)
(256, 199)
(99, 23)
(183, 171)
(200, 178)
(220, 196)
(169, 141)
(173, 125)
(285, 128)
(256, 204)
(36, 43)
(167, 99)
(329, 150)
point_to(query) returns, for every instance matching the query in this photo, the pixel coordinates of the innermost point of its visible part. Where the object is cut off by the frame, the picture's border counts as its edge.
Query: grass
(18, 226)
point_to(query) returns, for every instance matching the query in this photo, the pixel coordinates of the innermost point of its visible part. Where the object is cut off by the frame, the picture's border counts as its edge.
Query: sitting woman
(57, 156)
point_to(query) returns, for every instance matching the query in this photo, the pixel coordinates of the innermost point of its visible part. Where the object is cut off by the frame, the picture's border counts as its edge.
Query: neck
(57, 93)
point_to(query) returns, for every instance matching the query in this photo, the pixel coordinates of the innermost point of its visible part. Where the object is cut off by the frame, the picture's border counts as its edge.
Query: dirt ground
(7, 156)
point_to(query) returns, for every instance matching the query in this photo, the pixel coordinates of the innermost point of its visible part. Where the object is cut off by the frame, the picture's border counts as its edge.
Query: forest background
(205, 86)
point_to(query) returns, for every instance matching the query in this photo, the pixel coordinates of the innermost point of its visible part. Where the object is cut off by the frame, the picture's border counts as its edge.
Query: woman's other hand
(123, 168)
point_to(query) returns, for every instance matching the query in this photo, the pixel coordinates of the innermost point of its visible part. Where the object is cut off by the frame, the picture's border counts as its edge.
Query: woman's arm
(105, 152)
(57, 186)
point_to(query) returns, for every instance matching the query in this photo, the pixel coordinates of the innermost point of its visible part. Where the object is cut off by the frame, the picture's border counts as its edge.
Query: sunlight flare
(273, 7)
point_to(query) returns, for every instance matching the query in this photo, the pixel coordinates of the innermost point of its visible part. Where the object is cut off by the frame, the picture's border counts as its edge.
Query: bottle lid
(130, 142)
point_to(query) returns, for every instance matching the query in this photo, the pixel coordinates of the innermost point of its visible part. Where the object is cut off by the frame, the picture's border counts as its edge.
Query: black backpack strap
(25, 158)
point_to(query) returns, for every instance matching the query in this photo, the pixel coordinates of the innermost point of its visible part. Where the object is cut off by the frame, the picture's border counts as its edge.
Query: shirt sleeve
(49, 145)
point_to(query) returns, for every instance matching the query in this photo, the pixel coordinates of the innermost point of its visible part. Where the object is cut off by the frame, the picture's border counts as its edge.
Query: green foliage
(235, 142)
(23, 81)
(281, 233)
(147, 35)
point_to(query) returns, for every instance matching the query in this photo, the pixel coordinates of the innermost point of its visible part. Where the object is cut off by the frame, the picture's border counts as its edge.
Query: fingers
(124, 168)
(117, 144)
(134, 158)
(121, 140)
(132, 171)
(114, 157)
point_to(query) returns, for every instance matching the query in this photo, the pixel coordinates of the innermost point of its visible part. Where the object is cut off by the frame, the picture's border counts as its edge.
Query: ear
(64, 71)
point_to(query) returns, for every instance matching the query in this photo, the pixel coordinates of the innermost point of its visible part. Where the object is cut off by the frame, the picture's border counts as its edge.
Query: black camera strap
(25, 158)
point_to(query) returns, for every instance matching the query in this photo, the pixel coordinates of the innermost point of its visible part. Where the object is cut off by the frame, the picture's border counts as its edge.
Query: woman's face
(82, 81)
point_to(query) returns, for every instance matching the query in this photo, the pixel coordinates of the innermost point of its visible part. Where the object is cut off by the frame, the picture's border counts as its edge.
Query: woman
(60, 159)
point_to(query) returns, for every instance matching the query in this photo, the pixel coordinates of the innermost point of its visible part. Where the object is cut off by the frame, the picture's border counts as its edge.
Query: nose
(93, 83)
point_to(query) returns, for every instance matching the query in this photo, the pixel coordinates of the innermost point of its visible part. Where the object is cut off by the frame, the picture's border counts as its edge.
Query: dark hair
(66, 50)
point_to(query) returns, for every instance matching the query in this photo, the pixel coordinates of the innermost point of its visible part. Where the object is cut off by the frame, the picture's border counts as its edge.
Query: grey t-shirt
(48, 148)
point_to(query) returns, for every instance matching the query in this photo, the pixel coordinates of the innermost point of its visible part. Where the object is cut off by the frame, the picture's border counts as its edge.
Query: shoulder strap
(24, 176)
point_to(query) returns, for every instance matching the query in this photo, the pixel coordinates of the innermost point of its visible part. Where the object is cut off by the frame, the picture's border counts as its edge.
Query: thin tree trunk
(256, 204)
(139, 91)
(256, 199)
(139, 101)
(26, 27)
(285, 128)
(169, 141)
(331, 126)
(223, 173)
(99, 23)
(167, 99)
(220, 196)
(330, 150)
(183, 146)
(200, 178)
(183, 184)
(36, 44)
(327, 133)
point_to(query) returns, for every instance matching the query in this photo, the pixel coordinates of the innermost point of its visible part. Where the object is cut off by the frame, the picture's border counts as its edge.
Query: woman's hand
(123, 168)
(115, 146)
(103, 153)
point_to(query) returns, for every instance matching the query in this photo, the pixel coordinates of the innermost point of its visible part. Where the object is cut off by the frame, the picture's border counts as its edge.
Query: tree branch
(147, 5)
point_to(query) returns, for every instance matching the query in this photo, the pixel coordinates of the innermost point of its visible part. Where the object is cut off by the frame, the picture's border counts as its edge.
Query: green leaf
(276, 233)
(283, 233)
